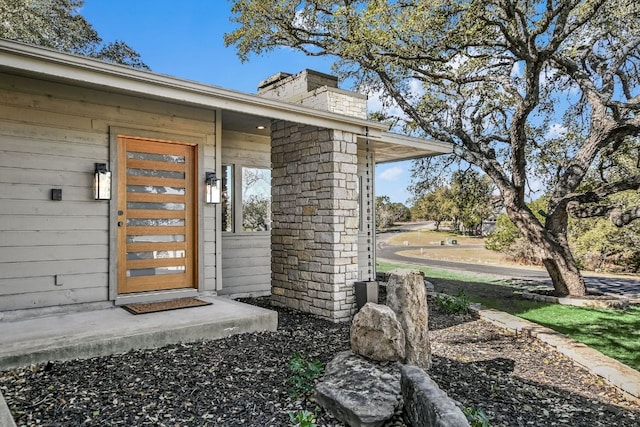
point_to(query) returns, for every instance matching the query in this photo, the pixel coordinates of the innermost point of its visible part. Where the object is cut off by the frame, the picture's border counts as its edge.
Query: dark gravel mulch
(243, 380)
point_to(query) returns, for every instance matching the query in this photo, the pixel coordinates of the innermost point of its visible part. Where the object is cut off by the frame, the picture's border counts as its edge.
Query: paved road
(389, 252)
(630, 287)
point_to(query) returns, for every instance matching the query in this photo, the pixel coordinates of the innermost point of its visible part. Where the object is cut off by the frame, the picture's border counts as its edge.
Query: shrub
(523, 251)
(476, 417)
(303, 419)
(502, 236)
(456, 304)
(304, 374)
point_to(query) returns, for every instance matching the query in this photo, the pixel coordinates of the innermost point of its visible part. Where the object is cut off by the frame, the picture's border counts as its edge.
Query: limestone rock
(358, 392)
(376, 334)
(429, 286)
(425, 404)
(407, 297)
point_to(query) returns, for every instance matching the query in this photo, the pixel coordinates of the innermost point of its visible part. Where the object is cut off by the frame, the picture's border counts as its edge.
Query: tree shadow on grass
(472, 289)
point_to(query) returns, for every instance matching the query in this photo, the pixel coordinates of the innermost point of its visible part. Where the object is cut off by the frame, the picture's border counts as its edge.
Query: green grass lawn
(615, 333)
(436, 273)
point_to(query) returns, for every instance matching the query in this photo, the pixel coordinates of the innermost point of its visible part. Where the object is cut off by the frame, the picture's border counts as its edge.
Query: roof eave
(393, 147)
(23, 59)
(33, 60)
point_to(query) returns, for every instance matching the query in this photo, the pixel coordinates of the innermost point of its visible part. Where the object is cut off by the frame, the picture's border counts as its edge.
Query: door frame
(198, 140)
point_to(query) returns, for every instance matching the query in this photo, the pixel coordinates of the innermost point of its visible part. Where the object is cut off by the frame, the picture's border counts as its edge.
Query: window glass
(256, 199)
(155, 157)
(227, 198)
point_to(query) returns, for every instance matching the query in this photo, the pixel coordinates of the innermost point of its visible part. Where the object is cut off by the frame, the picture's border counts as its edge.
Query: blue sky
(185, 39)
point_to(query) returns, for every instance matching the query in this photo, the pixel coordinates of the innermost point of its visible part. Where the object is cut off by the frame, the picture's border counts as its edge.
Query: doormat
(174, 304)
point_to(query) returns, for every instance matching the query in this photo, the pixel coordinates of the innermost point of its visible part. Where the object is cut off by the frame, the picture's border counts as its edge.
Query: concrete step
(114, 330)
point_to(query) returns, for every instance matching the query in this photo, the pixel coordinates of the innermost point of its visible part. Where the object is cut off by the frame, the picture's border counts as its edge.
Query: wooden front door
(156, 215)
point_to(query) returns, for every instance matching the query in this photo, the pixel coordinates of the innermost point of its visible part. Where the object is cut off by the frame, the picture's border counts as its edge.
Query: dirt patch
(425, 238)
(475, 254)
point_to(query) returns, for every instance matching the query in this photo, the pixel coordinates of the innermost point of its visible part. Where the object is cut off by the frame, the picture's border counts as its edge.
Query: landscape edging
(6, 419)
(619, 375)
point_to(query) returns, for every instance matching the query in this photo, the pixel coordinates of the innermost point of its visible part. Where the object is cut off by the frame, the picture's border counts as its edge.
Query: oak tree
(471, 196)
(388, 212)
(436, 205)
(58, 24)
(529, 91)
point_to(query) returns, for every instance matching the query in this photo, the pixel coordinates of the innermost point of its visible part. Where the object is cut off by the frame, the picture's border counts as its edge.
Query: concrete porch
(114, 330)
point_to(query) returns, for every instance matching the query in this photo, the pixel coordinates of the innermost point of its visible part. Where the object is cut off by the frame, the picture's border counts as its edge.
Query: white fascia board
(50, 64)
(410, 141)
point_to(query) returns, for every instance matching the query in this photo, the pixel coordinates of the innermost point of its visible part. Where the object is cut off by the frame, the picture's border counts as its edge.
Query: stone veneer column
(314, 236)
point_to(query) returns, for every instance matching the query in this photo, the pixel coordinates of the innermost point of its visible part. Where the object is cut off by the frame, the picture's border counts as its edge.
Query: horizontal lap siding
(246, 257)
(246, 264)
(57, 252)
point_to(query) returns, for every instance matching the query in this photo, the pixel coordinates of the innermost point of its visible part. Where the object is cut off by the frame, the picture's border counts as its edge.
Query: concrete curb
(619, 375)
(6, 420)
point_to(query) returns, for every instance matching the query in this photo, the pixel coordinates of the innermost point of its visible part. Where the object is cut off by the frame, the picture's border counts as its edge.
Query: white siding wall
(56, 252)
(246, 265)
(246, 257)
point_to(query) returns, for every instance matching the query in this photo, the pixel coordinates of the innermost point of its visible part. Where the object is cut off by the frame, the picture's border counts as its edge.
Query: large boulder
(407, 297)
(425, 404)
(358, 392)
(376, 334)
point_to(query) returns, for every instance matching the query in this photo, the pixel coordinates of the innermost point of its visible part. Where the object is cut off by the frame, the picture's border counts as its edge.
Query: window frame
(237, 220)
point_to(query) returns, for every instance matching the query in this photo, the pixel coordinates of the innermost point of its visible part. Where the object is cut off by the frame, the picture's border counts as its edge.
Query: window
(246, 199)
(256, 199)
(227, 198)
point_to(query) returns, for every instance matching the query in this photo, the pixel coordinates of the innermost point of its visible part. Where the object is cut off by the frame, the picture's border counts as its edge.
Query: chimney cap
(273, 79)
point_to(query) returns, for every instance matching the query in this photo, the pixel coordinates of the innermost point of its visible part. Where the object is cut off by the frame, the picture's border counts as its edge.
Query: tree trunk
(552, 247)
(563, 271)
(557, 256)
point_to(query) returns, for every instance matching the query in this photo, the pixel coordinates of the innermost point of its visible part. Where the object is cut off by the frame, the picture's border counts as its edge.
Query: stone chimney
(315, 90)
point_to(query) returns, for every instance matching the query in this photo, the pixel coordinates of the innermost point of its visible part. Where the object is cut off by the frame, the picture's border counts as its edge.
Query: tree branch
(594, 196)
(617, 216)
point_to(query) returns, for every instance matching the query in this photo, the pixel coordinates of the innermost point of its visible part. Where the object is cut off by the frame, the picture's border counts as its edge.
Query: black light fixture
(213, 188)
(102, 182)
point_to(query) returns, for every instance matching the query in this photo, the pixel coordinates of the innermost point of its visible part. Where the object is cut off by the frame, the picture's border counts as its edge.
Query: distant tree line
(465, 201)
(388, 212)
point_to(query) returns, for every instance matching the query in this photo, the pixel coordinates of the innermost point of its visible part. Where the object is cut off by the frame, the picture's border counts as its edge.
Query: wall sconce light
(213, 188)
(102, 182)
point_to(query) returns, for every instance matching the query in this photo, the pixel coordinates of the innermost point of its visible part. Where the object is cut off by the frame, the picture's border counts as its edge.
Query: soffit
(391, 147)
